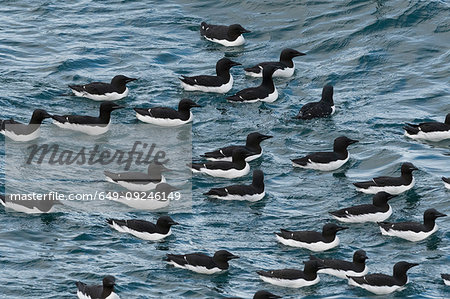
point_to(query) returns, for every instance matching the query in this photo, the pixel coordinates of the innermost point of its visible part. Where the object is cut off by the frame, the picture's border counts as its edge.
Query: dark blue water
(388, 61)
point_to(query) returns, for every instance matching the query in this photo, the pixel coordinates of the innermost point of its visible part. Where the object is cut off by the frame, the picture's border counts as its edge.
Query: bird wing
(260, 66)
(247, 94)
(92, 88)
(222, 152)
(141, 226)
(210, 81)
(315, 109)
(403, 226)
(79, 119)
(214, 31)
(159, 112)
(222, 165)
(282, 274)
(377, 279)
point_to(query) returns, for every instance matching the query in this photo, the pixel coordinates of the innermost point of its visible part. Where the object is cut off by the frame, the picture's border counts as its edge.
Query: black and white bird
(430, 131)
(413, 231)
(144, 229)
(224, 169)
(227, 36)
(259, 295)
(222, 83)
(139, 181)
(105, 291)
(378, 211)
(90, 125)
(342, 269)
(293, 278)
(266, 92)
(253, 192)
(314, 241)
(24, 132)
(323, 108)
(392, 185)
(99, 91)
(446, 182)
(446, 279)
(167, 117)
(382, 284)
(252, 145)
(285, 67)
(202, 263)
(156, 199)
(327, 161)
(47, 204)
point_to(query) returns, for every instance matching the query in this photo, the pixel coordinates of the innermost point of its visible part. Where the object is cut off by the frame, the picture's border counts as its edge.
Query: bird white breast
(361, 218)
(430, 136)
(285, 73)
(113, 296)
(141, 235)
(333, 109)
(224, 88)
(140, 187)
(318, 246)
(229, 159)
(142, 203)
(237, 42)
(379, 290)
(82, 295)
(87, 129)
(342, 273)
(271, 97)
(252, 198)
(22, 138)
(23, 209)
(228, 174)
(163, 122)
(197, 269)
(446, 282)
(290, 283)
(110, 96)
(447, 185)
(323, 166)
(409, 235)
(394, 190)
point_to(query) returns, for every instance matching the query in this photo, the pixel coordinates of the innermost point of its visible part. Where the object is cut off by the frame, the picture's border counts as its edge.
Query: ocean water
(388, 62)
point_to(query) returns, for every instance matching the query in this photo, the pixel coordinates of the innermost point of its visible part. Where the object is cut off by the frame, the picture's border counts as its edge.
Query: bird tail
(411, 129)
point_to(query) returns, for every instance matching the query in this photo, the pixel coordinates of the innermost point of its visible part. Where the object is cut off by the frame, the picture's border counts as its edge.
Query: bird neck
(400, 276)
(105, 116)
(239, 162)
(222, 264)
(268, 82)
(287, 61)
(258, 183)
(310, 272)
(107, 291)
(328, 237)
(429, 223)
(223, 73)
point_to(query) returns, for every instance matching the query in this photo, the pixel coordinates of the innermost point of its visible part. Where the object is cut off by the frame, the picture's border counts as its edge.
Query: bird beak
(131, 79)
(440, 215)
(245, 31)
(342, 228)
(413, 265)
(197, 105)
(46, 115)
(353, 141)
(390, 196)
(118, 107)
(173, 223)
(264, 137)
(414, 168)
(232, 257)
(299, 54)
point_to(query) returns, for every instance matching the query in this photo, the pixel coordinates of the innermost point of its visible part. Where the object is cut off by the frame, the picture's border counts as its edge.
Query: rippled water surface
(388, 61)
